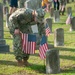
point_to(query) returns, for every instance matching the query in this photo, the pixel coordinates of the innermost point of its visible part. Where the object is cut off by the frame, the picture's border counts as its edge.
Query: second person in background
(13, 6)
(56, 4)
(44, 4)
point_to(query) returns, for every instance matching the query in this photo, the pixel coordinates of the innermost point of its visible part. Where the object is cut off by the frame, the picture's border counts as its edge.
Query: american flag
(28, 43)
(43, 47)
(47, 30)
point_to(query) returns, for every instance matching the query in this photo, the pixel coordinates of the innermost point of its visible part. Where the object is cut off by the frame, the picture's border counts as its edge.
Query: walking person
(13, 6)
(56, 4)
(62, 6)
(44, 4)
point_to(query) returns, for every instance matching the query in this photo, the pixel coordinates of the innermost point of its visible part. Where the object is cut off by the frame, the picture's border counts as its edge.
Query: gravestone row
(3, 46)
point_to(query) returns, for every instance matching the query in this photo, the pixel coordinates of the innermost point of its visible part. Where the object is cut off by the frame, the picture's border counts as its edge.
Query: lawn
(8, 64)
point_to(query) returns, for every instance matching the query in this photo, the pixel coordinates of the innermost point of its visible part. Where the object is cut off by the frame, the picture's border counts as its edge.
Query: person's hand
(17, 31)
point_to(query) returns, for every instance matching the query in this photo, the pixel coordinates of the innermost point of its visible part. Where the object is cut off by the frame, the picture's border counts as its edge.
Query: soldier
(21, 20)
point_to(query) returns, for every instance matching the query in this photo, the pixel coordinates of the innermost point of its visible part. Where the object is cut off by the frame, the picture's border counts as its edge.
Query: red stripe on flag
(47, 31)
(42, 50)
(27, 46)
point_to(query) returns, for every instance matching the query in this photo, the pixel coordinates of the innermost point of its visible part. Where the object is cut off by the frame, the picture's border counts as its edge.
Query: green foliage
(8, 64)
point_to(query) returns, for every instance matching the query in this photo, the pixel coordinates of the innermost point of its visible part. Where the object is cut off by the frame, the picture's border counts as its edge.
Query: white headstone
(33, 4)
(56, 16)
(3, 46)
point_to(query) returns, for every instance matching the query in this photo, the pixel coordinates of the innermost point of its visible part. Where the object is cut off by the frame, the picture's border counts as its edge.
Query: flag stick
(44, 64)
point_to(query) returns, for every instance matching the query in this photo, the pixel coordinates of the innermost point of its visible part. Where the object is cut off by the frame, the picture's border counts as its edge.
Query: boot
(20, 63)
(26, 63)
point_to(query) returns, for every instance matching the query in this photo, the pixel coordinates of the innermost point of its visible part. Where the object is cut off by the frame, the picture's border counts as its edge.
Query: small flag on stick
(43, 47)
(47, 30)
(28, 43)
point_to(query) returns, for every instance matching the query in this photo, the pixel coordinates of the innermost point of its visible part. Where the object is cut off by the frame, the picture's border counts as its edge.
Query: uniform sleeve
(12, 24)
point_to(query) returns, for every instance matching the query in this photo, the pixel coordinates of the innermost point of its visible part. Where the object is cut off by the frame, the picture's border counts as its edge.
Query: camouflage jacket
(23, 19)
(20, 19)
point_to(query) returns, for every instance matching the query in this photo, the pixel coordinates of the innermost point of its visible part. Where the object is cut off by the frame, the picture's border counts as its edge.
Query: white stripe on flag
(27, 46)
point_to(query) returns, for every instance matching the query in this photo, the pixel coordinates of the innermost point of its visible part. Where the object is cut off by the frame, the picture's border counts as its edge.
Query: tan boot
(26, 63)
(20, 63)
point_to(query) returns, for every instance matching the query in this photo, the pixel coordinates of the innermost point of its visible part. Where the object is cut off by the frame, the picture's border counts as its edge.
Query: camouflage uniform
(23, 19)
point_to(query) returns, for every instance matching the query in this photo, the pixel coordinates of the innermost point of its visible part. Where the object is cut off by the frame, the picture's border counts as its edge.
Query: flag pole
(44, 64)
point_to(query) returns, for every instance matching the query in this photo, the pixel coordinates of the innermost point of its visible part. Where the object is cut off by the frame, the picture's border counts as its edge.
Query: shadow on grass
(68, 57)
(5, 62)
(59, 23)
(70, 70)
(35, 67)
(42, 69)
(65, 49)
(38, 68)
(7, 53)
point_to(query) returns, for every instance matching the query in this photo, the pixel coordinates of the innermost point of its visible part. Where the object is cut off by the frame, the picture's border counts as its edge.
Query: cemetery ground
(8, 64)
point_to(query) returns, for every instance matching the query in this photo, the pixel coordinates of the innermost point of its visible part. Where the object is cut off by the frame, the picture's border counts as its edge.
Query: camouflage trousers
(19, 54)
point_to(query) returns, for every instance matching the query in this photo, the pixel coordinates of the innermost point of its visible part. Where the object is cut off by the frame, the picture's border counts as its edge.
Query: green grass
(8, 64)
